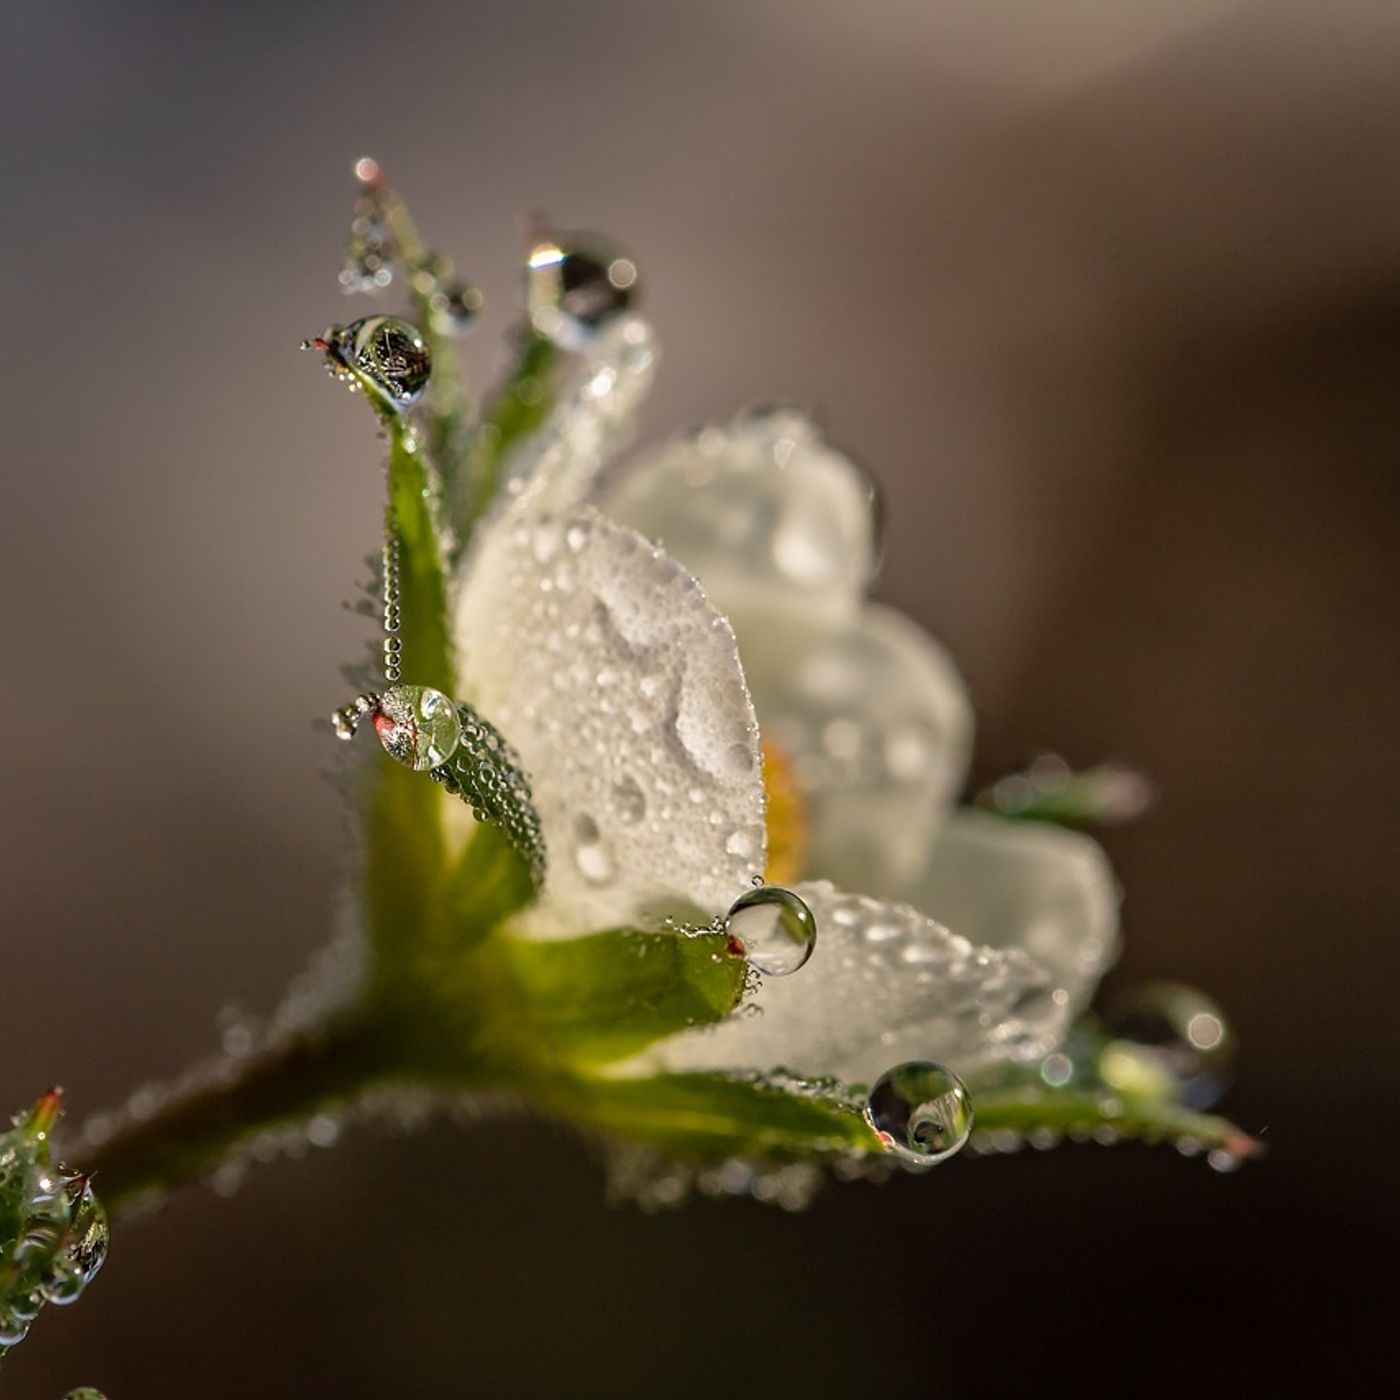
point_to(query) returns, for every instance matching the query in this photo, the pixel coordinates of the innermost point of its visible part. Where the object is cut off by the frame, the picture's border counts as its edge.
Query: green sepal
(491, 880)
(486, 774)
(712, 1117)
(1071, 1112)
(609, 995)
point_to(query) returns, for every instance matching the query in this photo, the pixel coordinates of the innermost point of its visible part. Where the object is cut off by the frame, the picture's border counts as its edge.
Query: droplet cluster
(370, 249)
(486, 773)
(53, 1229)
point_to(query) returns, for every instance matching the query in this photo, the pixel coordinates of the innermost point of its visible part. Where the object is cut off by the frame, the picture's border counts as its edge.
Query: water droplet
(575, 284)
(418, 726)
(592, 854)
(390, 355)
(778, 931)
(921, 1111)
(371, 249)
(456, 306)
(630, 801)
(1176, 1030)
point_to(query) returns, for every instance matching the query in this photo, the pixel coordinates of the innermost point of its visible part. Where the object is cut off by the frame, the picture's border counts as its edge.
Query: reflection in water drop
(390, 355)
(418, 726)
(921, 1111)
(777, 929)
(574, 286)
(592, 854)
(1178, 1030)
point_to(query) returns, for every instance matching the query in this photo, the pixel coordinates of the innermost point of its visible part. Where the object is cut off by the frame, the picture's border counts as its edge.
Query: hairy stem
(188, 1135)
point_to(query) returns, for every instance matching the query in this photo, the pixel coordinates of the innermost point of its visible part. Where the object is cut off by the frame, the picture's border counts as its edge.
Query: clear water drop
(592, 854)
(390, 355)
(921, 1111)
(574, 286)
(418, 726)
(777, 929)
(1175, 1029)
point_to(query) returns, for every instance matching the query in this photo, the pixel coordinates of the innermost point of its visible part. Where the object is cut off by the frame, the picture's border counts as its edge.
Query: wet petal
(885, 984)
(1027, 885)
(876, 725)
(601, 661)
(555, 468)
(757, 509)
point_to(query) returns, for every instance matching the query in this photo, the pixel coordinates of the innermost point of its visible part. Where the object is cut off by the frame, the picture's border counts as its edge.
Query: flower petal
(1027, 885)
(555, 468)
(885, 984)
(761, 507)
(877, 727)
(620, 687)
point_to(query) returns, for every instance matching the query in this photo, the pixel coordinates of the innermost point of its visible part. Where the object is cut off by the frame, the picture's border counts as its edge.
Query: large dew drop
(921, 1111)
(576, 286)
(777, 929)
(1173, 1030)
(390, 356)
(418, 726)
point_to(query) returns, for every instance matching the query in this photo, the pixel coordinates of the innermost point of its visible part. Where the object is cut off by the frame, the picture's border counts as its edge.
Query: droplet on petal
(1175, 1029)
(575, 284)
(418, 726)
(592, 854)
(777, 929)
(921, 1111)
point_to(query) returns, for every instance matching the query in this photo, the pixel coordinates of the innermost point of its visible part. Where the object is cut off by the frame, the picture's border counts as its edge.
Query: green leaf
(713, 1117)
(609, 995)
(1073, 1112)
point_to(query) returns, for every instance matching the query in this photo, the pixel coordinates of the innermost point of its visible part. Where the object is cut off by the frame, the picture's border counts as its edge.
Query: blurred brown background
(1108, 296)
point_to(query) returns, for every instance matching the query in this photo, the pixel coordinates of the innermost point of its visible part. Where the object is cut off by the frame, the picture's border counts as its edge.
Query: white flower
(619, 681)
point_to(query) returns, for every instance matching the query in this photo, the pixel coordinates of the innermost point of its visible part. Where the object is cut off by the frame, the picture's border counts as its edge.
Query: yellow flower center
(786, 818)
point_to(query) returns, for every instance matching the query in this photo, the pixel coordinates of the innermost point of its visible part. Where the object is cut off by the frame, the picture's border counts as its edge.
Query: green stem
(188, 1136)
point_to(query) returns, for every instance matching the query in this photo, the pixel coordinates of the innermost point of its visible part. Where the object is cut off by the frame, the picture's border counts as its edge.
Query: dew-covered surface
(868, 710)
(555, 468)
(885, 984)
(620, 687)
(1026, 885)
(758, 505)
